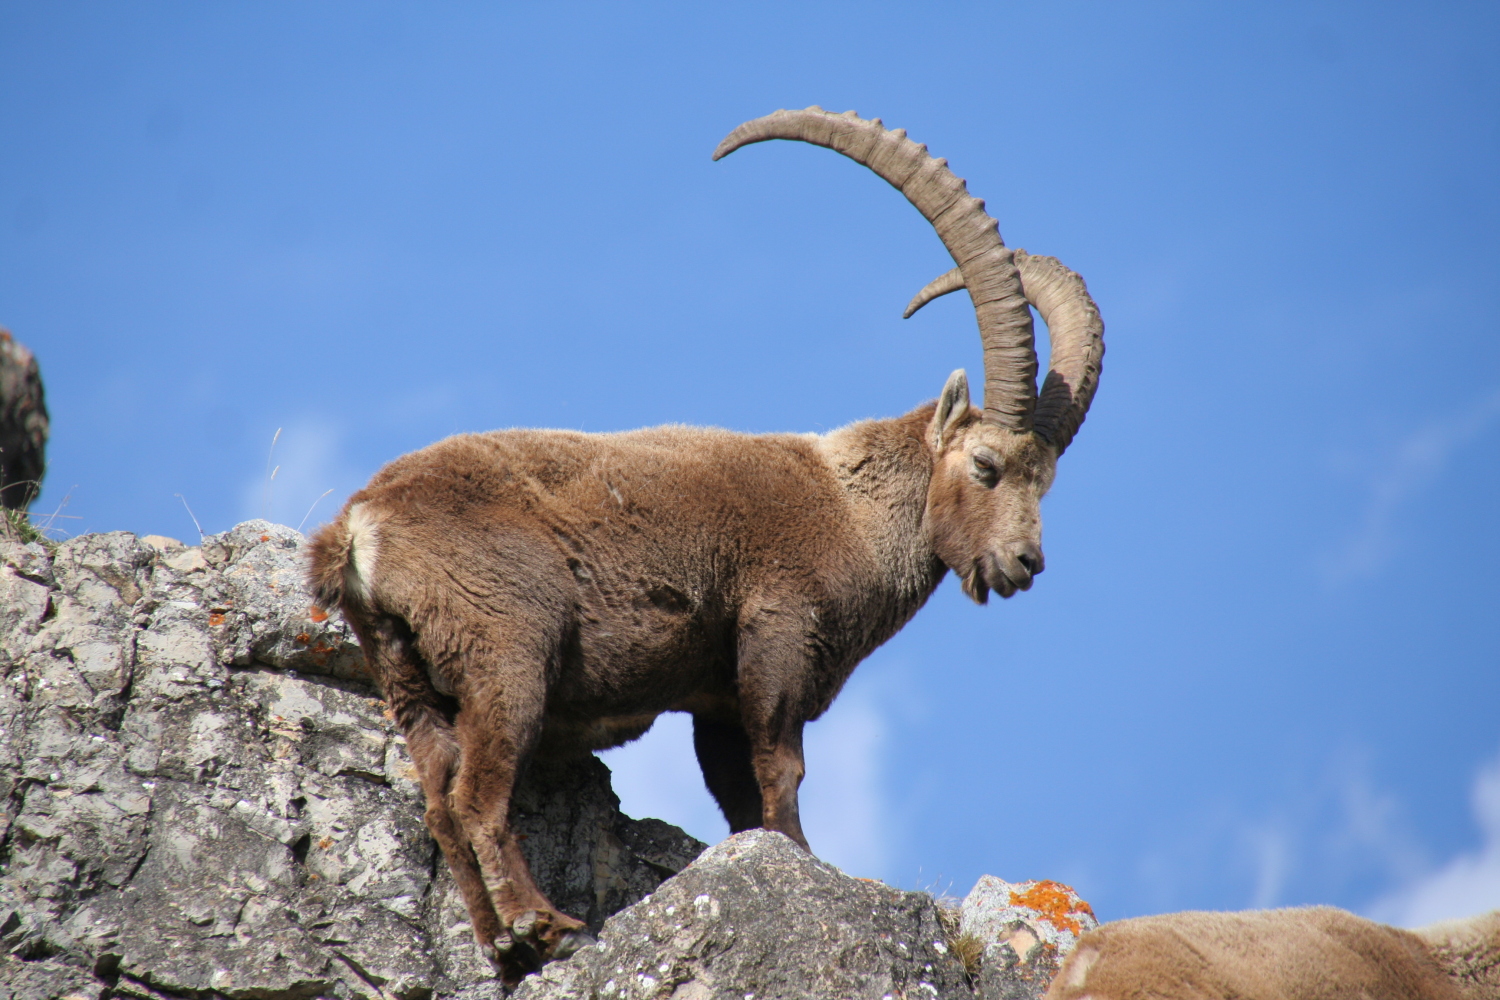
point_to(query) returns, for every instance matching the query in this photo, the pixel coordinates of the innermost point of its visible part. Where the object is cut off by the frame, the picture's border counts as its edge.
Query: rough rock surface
(200, 796)
(1025, 930)
(757, 917)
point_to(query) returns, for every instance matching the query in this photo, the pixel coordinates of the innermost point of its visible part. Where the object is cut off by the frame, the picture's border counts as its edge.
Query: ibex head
(984, 502)
(990, 466)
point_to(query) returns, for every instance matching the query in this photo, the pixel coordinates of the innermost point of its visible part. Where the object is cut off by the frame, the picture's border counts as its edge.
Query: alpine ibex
(1315, 952)
(531, 591)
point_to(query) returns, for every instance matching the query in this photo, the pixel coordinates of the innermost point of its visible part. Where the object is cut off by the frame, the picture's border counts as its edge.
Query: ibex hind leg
(426, 720)
(724, 755)
(497, 725)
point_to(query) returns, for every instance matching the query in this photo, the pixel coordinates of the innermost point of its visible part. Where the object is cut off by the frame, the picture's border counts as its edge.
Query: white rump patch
(364, 550)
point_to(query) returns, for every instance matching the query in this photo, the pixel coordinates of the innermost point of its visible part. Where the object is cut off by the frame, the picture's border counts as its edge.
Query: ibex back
(530, 591)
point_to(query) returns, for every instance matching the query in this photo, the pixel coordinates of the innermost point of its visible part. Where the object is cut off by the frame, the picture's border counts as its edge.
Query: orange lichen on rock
(216, 618)
(317, 614)
(1055, 902)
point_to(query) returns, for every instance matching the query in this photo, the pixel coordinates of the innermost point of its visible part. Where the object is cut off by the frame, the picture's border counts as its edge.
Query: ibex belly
(629, 665)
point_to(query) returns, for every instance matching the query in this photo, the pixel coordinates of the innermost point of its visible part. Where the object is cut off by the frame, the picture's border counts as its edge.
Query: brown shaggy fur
(534, 591)
(1315, 953)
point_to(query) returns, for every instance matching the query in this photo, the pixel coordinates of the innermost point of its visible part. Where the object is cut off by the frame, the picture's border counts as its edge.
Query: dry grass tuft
(967, 948)
(18, 527)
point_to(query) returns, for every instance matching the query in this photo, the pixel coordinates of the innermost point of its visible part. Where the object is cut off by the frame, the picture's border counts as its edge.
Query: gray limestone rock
(758, 917)
(200, 795)
(1021, 932)
(263, 614)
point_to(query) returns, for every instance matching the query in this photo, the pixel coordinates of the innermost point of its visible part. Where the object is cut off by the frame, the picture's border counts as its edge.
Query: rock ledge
(201, 796)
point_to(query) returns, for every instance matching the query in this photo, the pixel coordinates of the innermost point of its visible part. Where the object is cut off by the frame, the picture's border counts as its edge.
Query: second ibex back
(536, 591)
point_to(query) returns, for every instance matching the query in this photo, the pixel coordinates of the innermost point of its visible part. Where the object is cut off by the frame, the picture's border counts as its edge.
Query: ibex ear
(952, 407)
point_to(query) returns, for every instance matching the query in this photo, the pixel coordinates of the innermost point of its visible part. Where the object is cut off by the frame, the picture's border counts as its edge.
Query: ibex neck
(885, 468)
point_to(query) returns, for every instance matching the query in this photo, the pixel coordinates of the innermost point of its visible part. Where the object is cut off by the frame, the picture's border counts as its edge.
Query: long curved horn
(1076, 331)
(969, 234)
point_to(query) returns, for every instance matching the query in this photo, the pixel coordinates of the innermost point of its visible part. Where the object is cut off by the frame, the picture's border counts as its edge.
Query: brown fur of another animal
(1313, 953)
(23, 425)
(533, 592)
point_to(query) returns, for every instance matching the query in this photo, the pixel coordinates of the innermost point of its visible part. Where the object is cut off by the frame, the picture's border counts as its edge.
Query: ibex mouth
(1003, 577)
(975, 585)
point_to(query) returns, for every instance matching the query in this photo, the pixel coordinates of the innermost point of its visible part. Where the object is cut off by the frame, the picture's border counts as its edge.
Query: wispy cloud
(1272, 853)
(1372, 828)
(1347, 830)
(843, 801)
(1468, 883)
(1317, 843)
(306, 462)
(1416, 460)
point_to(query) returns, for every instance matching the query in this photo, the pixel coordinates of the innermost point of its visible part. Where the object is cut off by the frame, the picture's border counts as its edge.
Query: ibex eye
(986, 469)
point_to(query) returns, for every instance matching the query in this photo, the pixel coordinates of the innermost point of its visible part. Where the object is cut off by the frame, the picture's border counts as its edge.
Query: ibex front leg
(779, 766)
(777, 695)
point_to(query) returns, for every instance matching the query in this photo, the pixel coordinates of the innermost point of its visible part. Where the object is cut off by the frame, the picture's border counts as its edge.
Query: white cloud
(1271, 850)
(1417, 459)
(843, 808)
(1373, 830)
(1334, 830)
(1342, 827)
(306, 462)
(1467, 884)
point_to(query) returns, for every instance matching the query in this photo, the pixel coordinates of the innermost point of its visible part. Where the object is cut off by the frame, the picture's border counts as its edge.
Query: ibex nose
(1030, 556)
(1021, 563)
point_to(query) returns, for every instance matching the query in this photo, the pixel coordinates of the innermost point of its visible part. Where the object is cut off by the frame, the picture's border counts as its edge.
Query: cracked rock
(201, 795)
(1025, 929)
(756, 916)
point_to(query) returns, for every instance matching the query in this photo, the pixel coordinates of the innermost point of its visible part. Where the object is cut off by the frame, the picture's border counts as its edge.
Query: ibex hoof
(572, 942)
(523, 925)
(501, 954)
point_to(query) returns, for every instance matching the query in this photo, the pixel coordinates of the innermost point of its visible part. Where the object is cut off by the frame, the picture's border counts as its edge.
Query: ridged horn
(1076, 331)
(948, 281)
(969, 234)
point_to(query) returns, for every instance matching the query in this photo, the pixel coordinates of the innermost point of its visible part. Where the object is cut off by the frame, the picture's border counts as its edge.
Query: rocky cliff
(202, 796)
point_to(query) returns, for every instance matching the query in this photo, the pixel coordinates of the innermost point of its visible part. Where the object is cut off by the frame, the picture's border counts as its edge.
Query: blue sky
(1262, 667)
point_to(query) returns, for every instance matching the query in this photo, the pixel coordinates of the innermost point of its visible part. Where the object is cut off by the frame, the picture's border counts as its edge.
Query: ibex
(541, 591)
(1315, 952)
